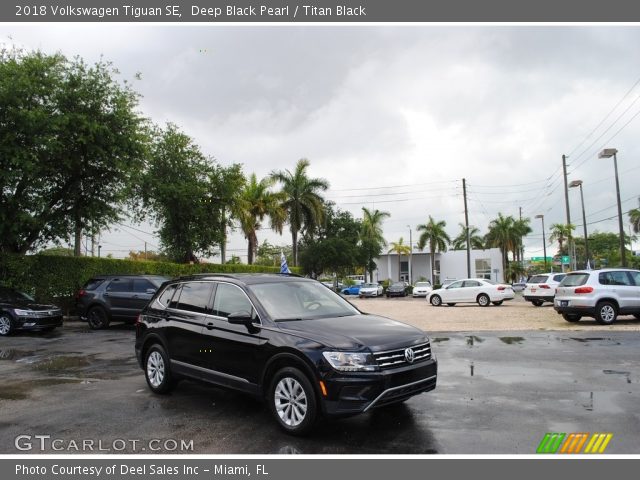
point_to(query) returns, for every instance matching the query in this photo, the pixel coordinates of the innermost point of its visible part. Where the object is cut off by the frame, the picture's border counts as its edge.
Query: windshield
(398, 285)
(287, 301)
(370, 285)
(574, 280)
(11, 295)
(423, 284)
(538, 279)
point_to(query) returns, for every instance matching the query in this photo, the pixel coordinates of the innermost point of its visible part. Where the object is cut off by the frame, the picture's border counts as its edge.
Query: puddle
(439, 339)
(472, 339)
(21, 390)
(594, 339)
(471, 368)
(601, 402)
(512, 340)
(12, 354)
(61, 364)
(616, 372)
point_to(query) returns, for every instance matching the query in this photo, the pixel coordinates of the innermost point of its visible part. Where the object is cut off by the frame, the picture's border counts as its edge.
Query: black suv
(286, 339)
(115, 297)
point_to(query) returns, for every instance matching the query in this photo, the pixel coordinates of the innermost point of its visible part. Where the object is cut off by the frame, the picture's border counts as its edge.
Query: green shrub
(56, 279)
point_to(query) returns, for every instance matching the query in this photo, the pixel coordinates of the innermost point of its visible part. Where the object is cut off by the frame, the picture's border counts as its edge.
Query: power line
(391, 186)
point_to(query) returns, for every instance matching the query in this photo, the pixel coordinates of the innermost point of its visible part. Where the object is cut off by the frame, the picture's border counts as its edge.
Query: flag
(284, 268)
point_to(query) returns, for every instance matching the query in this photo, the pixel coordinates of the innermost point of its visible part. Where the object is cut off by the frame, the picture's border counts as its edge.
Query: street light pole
(607, 153)
(544, 242)
(410, 254)
(573, 184)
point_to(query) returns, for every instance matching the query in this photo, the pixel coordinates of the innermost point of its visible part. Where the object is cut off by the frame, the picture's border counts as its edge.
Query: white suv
(601, 294)
(542, 288)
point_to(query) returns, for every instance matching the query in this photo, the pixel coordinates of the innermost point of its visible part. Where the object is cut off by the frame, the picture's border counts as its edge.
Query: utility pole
(466, 225)
(145, 250)
(521, 246)
(566, 203)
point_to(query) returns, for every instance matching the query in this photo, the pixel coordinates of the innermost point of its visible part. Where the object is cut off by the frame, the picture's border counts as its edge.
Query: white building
(450, 265)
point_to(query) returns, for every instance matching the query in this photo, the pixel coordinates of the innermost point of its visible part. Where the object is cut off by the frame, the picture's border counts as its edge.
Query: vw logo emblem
(408, 355)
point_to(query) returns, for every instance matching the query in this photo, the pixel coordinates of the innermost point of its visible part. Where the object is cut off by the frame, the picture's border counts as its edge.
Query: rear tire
(292, 401)
(436, 301)
(451, 304)
(97, 318)
(484, 300)
(606, 313)
(572, 317)
(6, 325)
(157, 370)
(537, 303)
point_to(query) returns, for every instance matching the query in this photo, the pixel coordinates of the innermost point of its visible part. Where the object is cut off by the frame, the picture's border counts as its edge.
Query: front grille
(396, 358)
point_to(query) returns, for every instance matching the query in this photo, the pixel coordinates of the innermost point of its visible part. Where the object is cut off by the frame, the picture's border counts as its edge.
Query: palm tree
(501, 235)
(560, 233)
(521, 229)
(371, 237)
(434, 235)
(475, 239)
(302, 202)
(401, 249)
(634, 218)
(256, 201)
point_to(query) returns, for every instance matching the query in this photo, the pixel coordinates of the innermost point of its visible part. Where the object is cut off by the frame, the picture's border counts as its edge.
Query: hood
(28, 305)
(357, 332)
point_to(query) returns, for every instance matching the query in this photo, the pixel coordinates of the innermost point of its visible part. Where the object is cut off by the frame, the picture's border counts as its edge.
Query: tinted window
(558, 278)
(195, 297)
(471, 283)
(538, 279)
(141, 285)
(456, 285)
(230, 299)
(423, 284)
(574, 280)
(165, 297)
(120, 285)
(636, 278)
(93, 284)
(10, 295)
(176, 296)
(614, 278)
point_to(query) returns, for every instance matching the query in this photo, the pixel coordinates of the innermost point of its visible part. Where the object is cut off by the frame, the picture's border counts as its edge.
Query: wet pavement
(497, 393)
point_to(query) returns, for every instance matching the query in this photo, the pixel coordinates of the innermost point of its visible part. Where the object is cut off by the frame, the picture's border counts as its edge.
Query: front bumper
(37, 323)
(350, 394)
(530, 298)
(367, 294)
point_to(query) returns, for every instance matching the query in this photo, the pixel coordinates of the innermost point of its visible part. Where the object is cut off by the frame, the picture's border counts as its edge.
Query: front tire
(571, 317)
(97, 318)
(293, 401)
(436, 301)
(606, 313)
(6, 325)
(157, 370)
(484, 300)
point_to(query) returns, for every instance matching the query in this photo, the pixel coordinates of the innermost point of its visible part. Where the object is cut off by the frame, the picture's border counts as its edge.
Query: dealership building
(451, 265)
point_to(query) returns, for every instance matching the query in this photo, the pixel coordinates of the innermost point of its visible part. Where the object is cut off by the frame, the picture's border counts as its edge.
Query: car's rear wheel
(572, 317)
(484, 300)
(436, 301)
(6, 325)
(293, 401)
(606, 313)
(537, 303)
(97, 318)
(157, 371)
(499, 302)
(451, 304)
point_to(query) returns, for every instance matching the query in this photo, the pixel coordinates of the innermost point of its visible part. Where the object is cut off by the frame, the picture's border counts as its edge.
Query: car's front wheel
(436, 301)
(6, 325)
(606, 313)
(293, 401)
(157, 371)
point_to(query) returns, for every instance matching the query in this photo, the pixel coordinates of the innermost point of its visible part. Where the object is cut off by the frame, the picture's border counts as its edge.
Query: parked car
(422, 289)
(518, 286)
(371, 290)
(288, 340)
(600, 294)
(108, 298)
(352, 290)
(472, 290)
(333, 287)
(542, 288)
(18, 311)
(398, 289)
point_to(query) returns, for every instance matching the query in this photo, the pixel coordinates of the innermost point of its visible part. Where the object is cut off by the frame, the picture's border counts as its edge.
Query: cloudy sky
(393, 117)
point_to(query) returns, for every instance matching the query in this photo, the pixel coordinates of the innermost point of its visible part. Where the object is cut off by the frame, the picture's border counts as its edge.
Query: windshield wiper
(292, 319)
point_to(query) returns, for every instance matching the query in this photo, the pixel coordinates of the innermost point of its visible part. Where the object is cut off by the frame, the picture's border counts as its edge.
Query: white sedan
(422, 289)
(472, 290)
(371, 290)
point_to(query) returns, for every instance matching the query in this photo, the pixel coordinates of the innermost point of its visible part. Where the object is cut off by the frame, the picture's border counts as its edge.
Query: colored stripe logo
(574, 443)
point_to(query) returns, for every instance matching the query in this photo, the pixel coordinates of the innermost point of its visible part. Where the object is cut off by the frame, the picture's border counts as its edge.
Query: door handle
(210, 326)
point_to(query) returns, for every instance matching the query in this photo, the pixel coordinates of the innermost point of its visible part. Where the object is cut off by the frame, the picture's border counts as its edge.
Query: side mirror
(151, 290)
(240, 318)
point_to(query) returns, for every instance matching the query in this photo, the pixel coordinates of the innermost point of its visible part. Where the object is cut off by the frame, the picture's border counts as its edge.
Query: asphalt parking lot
(498, 392)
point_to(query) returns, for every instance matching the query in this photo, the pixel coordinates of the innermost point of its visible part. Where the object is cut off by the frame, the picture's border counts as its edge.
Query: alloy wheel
(5, 325)
(155, 369)
(290, 401)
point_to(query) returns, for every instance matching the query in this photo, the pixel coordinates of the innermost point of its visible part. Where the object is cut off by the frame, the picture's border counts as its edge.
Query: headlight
(24, 313)
(351, 361)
